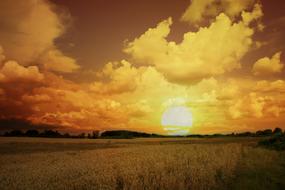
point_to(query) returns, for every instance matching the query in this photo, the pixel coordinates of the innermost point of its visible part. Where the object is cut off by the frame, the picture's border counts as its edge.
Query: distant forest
(125, 134)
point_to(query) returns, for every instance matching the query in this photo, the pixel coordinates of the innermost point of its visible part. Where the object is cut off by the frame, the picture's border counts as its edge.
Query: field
(182, 163)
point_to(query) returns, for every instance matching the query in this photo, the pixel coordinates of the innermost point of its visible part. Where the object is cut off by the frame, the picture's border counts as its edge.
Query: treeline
(260, 133)
(119, 134)
(124, 134)
(48, 134)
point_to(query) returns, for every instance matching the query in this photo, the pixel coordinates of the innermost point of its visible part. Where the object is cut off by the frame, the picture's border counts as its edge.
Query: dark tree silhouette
(81, 135)
(66, 135)
(277, 131)
(267, 132)
(95, 134)
(32, 133)
(14, 133)
(51, 134)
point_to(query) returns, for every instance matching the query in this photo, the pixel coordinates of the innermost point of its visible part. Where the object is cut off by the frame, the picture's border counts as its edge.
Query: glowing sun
(177, 120)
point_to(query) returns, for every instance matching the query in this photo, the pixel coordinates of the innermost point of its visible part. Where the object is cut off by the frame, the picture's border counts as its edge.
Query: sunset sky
(88, 65)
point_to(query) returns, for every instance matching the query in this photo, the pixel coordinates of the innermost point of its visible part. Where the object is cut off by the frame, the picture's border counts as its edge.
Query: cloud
(267, 66)
(254, 106)
(80, 110)
(249, 106)
(139, 109)
(218, 48)
(28, 31)
(61, 103)
(22, 124)
(36, 98)
(54, 60)
(277, 86)
(256, 14)
(152, 44)
(196, 10)
(228, 91)
(12, 71)
(120, 76)
(213, 90)
(199, 10)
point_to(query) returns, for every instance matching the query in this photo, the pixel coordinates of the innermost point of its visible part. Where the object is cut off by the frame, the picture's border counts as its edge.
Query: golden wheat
(129, 166)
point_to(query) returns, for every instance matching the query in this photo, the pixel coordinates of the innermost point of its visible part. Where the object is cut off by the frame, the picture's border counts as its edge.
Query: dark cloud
(22, 124)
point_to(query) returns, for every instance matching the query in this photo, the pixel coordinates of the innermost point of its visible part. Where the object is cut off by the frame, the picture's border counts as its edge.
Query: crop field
(182, 163)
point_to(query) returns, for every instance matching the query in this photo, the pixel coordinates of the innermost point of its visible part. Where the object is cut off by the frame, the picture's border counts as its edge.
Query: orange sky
(94, 64)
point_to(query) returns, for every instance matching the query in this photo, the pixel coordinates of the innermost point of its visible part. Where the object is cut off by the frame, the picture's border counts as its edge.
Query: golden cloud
(12, 71)
(54, 60)
(277, 86)
(217, 48)
(267, 66)
(28, 32)
(121, 77)
(36, 98)
(256, 106)
(199, 10)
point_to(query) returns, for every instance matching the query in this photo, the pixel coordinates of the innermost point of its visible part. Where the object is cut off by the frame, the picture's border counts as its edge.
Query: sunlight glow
(177, 120)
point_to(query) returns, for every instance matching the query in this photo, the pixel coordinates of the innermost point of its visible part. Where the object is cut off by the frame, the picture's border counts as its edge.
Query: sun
(177, 120)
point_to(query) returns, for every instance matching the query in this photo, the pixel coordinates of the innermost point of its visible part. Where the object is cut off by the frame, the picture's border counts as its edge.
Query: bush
(276, 142)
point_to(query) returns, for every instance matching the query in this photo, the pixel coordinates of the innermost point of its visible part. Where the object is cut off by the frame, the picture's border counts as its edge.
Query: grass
(260, 169)
(221, 163)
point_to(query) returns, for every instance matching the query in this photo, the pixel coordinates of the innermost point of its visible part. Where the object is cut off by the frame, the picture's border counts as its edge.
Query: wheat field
(35, 163)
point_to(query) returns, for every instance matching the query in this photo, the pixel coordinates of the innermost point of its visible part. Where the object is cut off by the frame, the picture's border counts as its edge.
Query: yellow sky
(204, 72)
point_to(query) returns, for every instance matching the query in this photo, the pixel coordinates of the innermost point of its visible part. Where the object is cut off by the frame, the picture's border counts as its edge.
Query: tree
(15, 133)
(66, 135)
(32, 133)
(81, 135)
(277, 131)
(267, 132)
(51, 134)
(95, 134)
(259, 133)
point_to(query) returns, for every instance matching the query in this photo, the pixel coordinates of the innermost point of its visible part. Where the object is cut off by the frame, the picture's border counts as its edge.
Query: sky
(79, 66)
